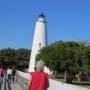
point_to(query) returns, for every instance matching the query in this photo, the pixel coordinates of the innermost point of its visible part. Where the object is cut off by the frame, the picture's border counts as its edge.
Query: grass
(82, 83)
(85, 84)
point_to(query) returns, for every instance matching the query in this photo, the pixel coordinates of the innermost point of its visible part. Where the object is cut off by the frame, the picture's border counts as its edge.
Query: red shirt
(39, 81)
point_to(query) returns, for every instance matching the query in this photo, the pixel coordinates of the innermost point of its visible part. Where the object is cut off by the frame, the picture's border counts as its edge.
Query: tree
(68, 57)
(15, 57)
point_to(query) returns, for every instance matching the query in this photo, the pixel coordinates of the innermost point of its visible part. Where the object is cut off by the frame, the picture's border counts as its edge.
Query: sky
(67, 20)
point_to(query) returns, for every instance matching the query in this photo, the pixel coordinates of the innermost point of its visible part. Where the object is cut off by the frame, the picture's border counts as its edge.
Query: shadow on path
(7, 85)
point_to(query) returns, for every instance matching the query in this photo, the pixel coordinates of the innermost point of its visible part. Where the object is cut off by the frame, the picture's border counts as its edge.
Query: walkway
(22, 79)
(55, 85)
(8, 86)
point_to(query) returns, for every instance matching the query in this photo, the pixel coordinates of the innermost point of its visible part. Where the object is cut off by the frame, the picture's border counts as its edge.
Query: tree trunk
(66, 77)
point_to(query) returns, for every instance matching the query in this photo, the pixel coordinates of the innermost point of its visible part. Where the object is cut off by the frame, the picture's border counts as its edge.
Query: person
(1, 76)
(13, 74)
(38, 80)
(9, 74)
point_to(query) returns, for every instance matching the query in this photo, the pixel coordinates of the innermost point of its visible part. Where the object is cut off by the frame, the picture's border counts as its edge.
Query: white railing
(22, 78)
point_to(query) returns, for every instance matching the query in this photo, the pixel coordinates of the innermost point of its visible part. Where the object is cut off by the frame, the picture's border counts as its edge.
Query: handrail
(22, 79)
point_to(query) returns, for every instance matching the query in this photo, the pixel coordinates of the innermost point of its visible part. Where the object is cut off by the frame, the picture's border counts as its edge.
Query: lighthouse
(39, 40)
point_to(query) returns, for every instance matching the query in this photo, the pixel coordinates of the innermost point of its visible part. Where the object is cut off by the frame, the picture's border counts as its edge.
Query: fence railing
(22, 79)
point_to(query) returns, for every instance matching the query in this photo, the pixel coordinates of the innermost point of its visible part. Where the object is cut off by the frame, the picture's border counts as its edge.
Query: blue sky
(68, 20)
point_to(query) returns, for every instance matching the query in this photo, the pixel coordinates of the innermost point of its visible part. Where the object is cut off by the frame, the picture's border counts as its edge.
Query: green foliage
(15, 57)
(66, 56)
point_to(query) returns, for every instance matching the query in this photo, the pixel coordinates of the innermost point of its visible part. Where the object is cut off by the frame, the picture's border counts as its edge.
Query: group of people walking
(10, 74)
(38, 79)
(7, 74)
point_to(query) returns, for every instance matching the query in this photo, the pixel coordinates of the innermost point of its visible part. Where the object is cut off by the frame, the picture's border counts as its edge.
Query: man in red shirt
(39, 79)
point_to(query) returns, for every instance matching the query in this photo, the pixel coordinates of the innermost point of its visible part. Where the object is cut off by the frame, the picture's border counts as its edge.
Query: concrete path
(55, 85)
(15, 87)
(10, 86)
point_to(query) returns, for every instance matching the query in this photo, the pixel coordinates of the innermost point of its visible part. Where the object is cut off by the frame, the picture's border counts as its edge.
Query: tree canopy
(70, 56)
(18, 58)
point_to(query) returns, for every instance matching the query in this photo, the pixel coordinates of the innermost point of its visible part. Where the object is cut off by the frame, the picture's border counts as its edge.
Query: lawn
(85, 84)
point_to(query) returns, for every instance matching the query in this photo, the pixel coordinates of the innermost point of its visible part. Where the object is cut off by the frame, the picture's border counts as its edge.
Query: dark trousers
(1, 81)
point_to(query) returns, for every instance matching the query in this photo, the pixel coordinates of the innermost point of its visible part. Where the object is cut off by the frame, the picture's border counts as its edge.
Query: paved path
(55, 85)
(11, 87)
(8, 86)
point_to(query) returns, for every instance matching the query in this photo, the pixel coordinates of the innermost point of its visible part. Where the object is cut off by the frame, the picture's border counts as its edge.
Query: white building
(39, 40)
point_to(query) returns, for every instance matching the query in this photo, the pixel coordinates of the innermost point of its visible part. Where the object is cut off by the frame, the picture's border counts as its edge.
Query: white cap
(40, 65)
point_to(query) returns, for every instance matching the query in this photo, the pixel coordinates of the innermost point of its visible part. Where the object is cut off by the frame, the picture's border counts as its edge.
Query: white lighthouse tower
(39, 40)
